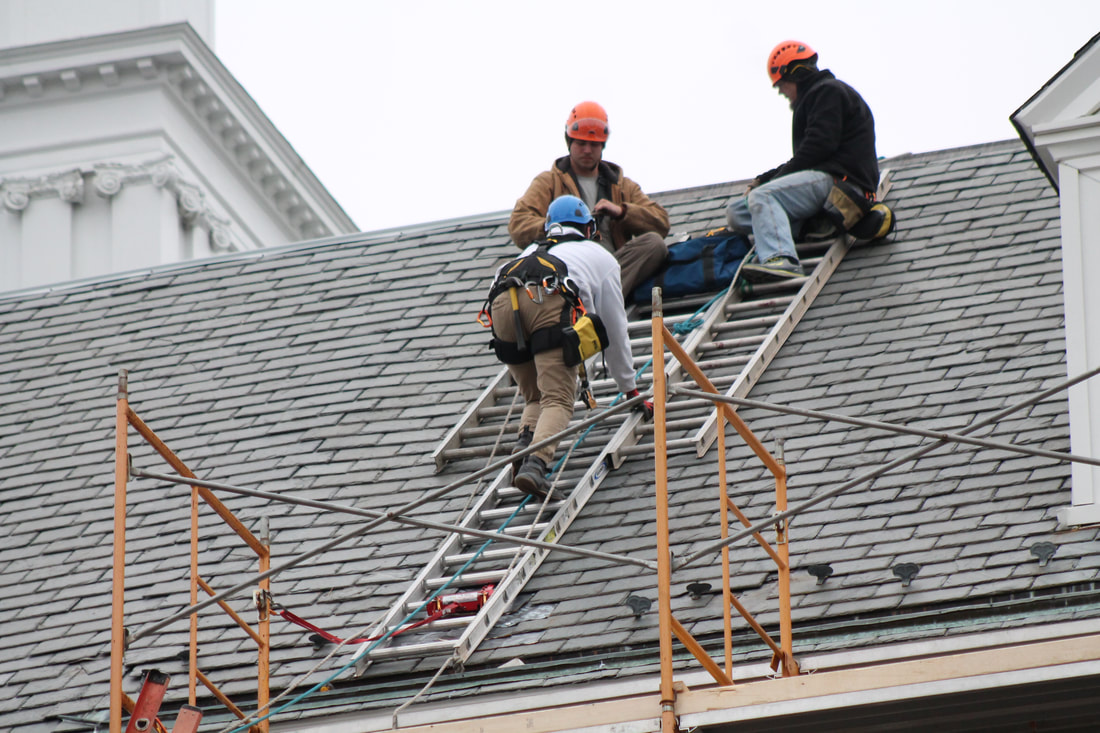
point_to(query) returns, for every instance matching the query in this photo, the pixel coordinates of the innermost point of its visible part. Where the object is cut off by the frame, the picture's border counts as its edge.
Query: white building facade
(1061, 126)
(136, 147)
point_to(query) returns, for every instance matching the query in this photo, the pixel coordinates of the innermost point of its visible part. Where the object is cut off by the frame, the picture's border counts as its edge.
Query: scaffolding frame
(783, 661)
(125, 418)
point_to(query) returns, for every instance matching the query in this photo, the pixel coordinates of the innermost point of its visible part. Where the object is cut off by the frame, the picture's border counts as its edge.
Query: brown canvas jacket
(641, 214)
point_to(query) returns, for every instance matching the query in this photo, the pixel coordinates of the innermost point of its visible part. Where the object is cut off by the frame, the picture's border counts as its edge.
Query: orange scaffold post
(125, 418)
(783, 660)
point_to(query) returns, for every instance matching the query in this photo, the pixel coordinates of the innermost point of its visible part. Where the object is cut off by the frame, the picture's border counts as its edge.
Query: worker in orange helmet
(631, 226)
(833, 136)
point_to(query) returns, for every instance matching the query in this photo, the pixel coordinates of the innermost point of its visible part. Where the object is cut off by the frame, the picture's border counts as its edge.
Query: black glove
(645, 407)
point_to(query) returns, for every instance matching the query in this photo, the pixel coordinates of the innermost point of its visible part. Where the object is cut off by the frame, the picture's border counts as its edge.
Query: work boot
(773, 269)
(531, 478)
(526, 435)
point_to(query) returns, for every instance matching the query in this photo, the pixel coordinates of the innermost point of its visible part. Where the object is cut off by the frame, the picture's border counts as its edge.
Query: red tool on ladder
(440, 607)
(144, 716)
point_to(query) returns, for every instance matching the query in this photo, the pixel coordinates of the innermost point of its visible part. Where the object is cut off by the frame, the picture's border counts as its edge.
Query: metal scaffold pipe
(386, 516)
(374, 514)
(887, 426)
(907, 458)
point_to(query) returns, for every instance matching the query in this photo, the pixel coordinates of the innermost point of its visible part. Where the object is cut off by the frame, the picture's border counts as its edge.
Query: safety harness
(578, 333)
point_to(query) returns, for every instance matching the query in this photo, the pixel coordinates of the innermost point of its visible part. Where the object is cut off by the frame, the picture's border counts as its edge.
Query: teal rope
(696, 320)
(681, 328)
(392, 631)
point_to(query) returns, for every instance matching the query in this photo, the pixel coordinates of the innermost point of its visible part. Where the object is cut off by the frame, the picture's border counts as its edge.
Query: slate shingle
(320, 369)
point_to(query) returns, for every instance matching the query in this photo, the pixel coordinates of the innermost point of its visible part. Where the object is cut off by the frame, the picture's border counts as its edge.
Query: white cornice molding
(174, 57)
(1069, 100)
(108, 179)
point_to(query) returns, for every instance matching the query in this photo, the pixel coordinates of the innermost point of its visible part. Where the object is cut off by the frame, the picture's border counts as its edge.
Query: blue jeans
(774, 209)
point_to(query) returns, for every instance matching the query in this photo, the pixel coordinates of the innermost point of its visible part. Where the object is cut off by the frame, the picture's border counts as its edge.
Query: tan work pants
(548, 386)
(640, 259)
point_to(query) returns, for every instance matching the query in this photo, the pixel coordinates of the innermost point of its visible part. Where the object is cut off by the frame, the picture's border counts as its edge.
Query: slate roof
(332, 369)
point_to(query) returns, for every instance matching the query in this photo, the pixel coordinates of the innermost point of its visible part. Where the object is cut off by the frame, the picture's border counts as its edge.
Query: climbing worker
(631, 226)
(833, 136)
(548, 309)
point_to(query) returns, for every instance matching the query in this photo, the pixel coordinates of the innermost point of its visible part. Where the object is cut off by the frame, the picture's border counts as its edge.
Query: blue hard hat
(568, 210)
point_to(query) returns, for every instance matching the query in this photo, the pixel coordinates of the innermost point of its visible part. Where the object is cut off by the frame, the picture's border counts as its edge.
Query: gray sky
(416, 111)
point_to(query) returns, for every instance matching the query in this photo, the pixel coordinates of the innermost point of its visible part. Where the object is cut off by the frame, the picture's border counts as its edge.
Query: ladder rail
(714, 315)
(480, 624)
(471, 417)
(500, 602)
(777, 336)
(622, 444)
(434, 567)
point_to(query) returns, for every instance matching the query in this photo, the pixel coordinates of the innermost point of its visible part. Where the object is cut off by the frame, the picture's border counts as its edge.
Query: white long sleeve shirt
(596, 273)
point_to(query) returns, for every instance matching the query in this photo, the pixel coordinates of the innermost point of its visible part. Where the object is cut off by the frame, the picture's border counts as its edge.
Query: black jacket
(833, 131)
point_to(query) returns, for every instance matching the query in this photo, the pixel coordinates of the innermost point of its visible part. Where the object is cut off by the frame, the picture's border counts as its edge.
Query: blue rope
(696, 320)
(392, 631)
(681, 328)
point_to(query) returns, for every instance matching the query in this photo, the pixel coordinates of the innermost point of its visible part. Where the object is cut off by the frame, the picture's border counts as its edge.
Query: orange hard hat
(587, 121)
(784, 56)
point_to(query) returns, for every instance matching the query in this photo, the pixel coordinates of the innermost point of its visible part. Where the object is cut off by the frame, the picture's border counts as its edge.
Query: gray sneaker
(531, 478)
(773, 269)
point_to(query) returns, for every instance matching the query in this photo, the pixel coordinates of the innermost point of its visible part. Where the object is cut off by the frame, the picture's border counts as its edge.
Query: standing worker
(533, 302)
(631, 226)
(833, 136)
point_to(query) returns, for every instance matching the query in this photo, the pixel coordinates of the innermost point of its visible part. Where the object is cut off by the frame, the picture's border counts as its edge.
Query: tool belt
(578, 334)
(856, 212)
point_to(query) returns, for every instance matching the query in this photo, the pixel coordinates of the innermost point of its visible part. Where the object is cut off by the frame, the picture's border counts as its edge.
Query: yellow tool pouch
(846, 204)
(583, 339)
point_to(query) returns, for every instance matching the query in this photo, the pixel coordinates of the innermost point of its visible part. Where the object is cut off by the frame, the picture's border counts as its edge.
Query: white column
(11, 241)
(138, 228)
(92, 237)
(47, 228)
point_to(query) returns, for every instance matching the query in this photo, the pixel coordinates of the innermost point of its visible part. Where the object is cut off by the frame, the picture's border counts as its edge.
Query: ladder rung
(674, 446)
(413, 650)
(646, 324)
(522, 529)
(691, 424)
(442, 624)
(729, 361)
(686, 302)
(759, 322)
(816, 247)
(504, 553)
(530, 508)
(745, 306)
(466, 579)
(778, 287)
(728, 344)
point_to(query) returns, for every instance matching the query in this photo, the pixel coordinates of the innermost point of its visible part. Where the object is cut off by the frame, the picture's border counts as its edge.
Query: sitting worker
(833, 135)
(532, 302)
(631, 225)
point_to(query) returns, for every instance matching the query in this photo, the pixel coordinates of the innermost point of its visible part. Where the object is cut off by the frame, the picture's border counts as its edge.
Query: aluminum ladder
(740, 333)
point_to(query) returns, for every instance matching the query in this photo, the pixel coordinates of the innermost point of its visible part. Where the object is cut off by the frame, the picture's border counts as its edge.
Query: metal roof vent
(821, 572)
(1043, 551)
(638, 605)
(906, 571)
(697, 590)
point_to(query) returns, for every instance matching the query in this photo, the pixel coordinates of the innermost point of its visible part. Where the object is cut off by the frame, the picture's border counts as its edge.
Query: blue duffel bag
(700, 265)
